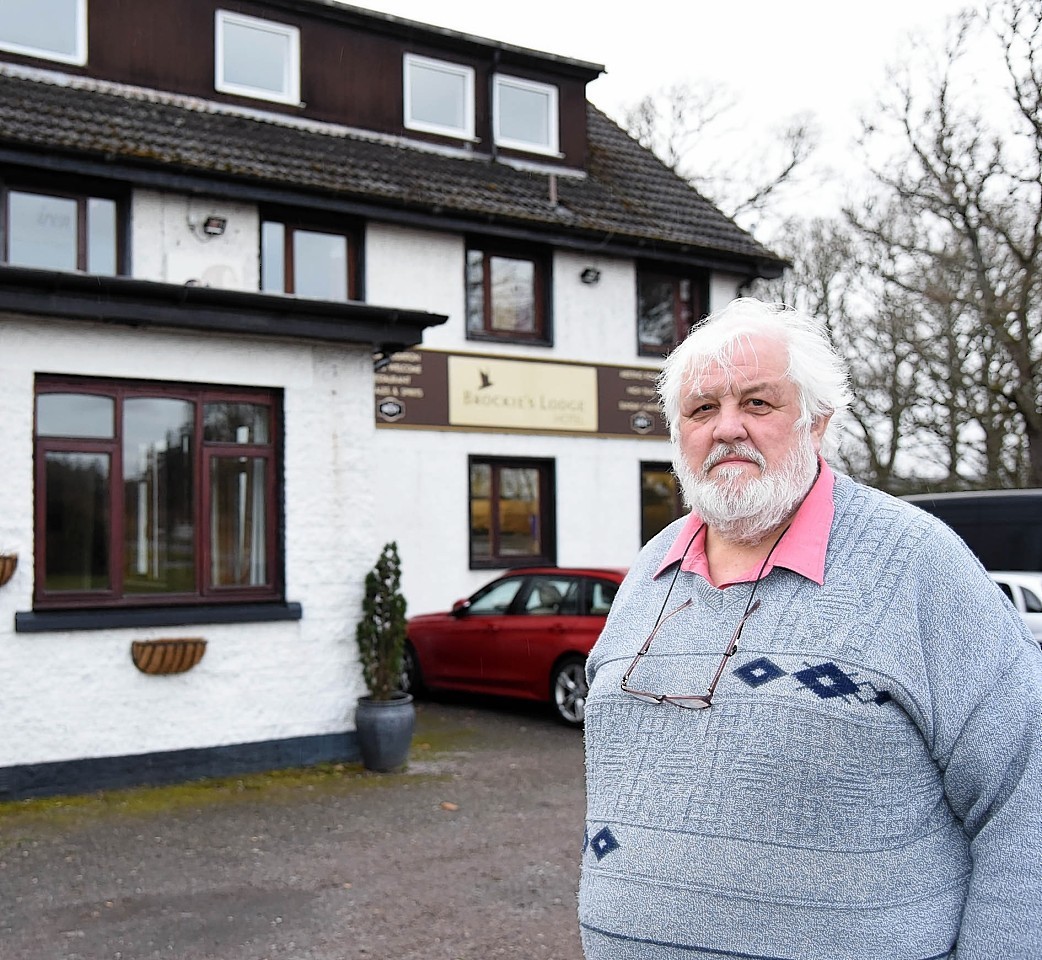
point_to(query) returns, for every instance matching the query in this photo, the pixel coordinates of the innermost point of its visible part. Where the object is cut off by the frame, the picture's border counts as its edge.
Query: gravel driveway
(471, 854)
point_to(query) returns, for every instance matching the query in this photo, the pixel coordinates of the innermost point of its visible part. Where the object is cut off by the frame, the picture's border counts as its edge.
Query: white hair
(818, 372)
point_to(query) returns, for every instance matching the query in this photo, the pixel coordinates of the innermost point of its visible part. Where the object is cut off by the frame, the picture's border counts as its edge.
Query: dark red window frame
(81, 192)
(203, 454)
(687, 312)
(541, 303)
(649, 524)
(547, 513)
(334, 227)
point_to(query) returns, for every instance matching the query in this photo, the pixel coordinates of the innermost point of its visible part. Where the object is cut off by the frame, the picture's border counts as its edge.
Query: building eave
(379, 21)
(624, 203)
(249, 191)
(146, 303)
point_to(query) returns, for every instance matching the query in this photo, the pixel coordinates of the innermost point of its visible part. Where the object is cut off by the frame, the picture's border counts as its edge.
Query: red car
(525, 634)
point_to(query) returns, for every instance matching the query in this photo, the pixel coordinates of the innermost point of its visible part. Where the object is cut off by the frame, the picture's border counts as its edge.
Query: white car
(1025, 593)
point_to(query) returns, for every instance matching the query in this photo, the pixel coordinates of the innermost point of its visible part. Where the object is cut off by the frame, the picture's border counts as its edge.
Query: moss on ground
(432, 738)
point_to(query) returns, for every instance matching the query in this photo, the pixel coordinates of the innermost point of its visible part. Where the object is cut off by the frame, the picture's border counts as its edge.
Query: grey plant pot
(385, 729)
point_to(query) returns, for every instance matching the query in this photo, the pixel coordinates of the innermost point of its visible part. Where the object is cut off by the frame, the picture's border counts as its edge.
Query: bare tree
(683, 122)
(966, 246)
(673, 121)
(932, 286)
(887, 434)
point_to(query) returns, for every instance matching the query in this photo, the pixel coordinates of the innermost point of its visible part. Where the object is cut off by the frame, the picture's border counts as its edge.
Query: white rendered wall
(348, 488)
(69, 695)
(423, 502)
(417, 270)
(594, 323)
(723, 288)
(422, 475)
(168, 243)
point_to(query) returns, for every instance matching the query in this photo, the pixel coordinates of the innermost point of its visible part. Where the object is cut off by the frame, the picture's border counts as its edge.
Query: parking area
(470, 854)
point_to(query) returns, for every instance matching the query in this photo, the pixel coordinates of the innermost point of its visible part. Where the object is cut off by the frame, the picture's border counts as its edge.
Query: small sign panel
(467, 391)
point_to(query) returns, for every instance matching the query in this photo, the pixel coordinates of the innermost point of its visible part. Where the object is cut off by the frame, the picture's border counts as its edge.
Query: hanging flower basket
(157, 657)
(8, 565)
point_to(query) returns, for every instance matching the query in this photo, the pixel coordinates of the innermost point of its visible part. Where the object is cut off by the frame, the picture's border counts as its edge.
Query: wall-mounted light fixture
(590, 275)
(383, 354)
(214, 226)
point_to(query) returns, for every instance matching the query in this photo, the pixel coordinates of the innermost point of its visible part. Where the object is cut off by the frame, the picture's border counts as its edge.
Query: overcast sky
(779, 58)
(793, 55)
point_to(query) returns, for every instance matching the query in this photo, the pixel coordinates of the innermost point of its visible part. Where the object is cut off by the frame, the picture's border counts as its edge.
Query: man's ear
(817, 430)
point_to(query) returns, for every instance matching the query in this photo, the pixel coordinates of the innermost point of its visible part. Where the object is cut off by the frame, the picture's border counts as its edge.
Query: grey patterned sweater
(867, 783)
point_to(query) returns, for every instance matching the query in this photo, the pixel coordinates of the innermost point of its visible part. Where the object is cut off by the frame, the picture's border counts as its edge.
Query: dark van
(1003, 527)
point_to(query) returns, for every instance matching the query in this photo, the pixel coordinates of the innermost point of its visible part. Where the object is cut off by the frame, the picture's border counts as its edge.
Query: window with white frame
(52, 29)
(256, 58)
(439, 96)
(525, 114)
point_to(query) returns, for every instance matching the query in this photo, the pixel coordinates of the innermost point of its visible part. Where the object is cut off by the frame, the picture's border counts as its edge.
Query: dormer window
(51, 29)
(257, 58)
(525, 115)
(439, 97)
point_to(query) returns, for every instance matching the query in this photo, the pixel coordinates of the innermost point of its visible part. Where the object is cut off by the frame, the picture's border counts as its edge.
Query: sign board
(466, 391)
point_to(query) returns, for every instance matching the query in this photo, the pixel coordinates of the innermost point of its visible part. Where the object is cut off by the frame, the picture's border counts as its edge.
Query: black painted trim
(419, 32)
(147, 303)
(176, 766)
(583, 240)
(46, 621)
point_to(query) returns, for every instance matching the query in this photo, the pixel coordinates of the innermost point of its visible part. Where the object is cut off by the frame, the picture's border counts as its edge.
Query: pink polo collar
(801, 550)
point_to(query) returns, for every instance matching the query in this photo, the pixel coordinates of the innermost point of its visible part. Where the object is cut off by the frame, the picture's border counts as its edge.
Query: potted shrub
(385, 717)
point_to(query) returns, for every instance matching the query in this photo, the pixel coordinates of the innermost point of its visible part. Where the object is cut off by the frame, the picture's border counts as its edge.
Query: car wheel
(568, 691)
(411, 680)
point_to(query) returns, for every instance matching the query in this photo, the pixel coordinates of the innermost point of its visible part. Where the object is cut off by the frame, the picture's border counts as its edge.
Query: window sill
(537, 340)
(511, 563)
(539, 149)
(450, 133)
(48, 621)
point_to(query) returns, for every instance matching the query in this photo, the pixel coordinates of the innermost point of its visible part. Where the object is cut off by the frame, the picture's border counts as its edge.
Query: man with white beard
(814, 726)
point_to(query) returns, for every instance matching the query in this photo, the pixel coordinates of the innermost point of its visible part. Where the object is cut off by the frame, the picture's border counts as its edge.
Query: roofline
(148, 303)
(399, 26)
(239, 188)
(956, 495)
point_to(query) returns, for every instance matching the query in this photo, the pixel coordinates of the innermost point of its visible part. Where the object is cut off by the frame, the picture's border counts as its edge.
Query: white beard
(744, 509)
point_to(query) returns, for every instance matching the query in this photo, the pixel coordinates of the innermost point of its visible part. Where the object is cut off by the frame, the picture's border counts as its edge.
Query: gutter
(148, 304)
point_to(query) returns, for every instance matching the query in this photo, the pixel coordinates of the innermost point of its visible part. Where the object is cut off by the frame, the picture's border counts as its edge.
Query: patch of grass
(432, 737)
(437, 734)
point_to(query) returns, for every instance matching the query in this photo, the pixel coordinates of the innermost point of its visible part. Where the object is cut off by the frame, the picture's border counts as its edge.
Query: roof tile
(628, 194)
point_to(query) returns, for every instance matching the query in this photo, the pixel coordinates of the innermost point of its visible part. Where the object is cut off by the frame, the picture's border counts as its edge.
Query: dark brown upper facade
(350, 62)
(144, 103)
